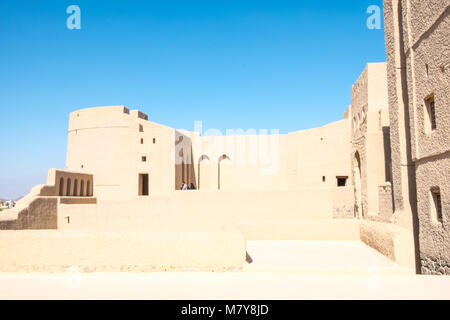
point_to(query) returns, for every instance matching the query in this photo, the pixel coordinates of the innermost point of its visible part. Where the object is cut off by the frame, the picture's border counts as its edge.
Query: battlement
(103, 117)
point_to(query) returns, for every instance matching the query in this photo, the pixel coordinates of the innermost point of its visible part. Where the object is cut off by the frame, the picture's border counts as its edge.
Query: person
(184, 186)
(192, 187)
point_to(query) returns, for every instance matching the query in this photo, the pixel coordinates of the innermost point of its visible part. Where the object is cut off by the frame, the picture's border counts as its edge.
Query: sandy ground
(280, 270)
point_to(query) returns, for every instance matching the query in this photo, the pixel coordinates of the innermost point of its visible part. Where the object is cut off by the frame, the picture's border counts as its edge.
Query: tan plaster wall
(389, 239)
(40, 213)
(199, 208)
(432, 49)
(321, 152)
(434, 236)
(417, 34)
(274, 162)
(428, 32)
(213, 249)
(370, 138)
(39, 209)
(377, 87)
(106, 142)
(396, 98)
(420, 16)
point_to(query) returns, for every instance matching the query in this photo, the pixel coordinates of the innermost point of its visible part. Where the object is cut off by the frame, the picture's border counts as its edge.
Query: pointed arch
(82, 188)
(69, 188)
(221, 158)
(75, 188)
(61, 187)
(202, 158)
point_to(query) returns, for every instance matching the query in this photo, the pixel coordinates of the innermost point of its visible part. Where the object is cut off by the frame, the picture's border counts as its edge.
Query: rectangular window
(144, 159)
(341, 181)
(142, 141)
(436, 204)
(430, 114)
(154, 140)
(143, 184)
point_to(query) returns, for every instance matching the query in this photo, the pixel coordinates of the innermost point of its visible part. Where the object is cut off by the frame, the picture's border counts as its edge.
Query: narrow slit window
(436, 204)
(430, 114)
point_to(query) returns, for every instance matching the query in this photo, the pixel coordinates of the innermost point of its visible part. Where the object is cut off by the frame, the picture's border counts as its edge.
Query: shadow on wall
(410, 169)
(184, 161)
(387, 153)
(248, 259)
(388, 160)
(357, 185)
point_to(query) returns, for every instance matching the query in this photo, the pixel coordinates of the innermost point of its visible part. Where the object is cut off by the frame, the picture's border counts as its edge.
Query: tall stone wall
(418, 50)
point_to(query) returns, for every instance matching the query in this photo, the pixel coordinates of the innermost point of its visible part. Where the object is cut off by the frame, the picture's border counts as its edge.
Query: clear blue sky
(259, 64)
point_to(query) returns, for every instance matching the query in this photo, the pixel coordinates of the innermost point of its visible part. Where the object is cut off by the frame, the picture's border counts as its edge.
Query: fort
(379, 176)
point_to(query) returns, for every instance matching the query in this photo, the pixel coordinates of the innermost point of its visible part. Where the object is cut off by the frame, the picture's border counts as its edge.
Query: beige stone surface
(418, 50)
(310, 230)
(39, 209)
(395, 242)
(297, 270)
(167, 250)
(370, 138)
(112, 143)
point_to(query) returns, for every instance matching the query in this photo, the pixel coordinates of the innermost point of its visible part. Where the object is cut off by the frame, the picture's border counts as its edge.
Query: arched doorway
(219, 177)
(69, 189)
(357, 183)
(75, 188)
(61, 187)
(203, 164)
(82, 188)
